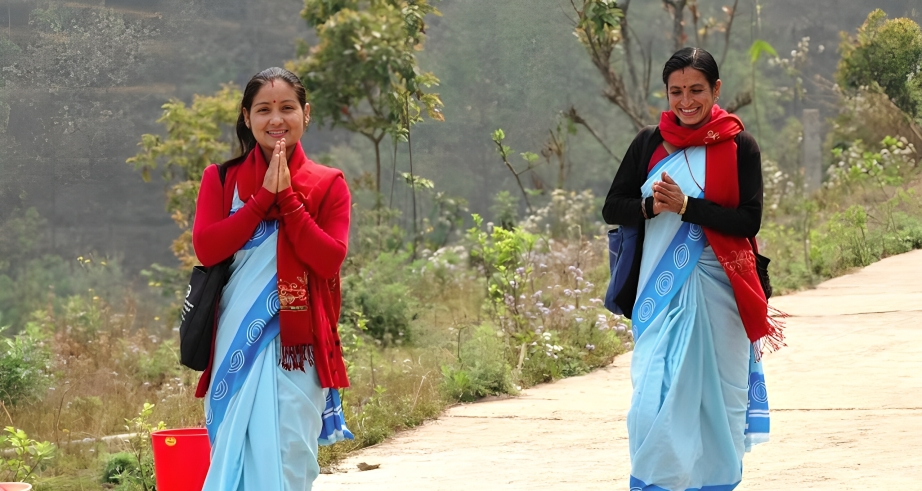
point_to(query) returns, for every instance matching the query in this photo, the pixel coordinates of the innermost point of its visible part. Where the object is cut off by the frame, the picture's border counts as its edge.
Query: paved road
(846, 397)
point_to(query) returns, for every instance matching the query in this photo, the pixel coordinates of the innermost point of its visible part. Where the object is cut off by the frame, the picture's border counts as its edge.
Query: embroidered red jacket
(319, 242)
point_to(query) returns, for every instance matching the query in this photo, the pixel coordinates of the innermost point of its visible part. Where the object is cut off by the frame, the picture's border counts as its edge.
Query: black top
(622, 205)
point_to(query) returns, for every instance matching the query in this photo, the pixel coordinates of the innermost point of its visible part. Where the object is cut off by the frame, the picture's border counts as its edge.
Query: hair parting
(696, 58)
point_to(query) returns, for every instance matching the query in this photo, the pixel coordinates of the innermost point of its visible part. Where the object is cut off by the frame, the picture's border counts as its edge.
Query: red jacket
(319, 234)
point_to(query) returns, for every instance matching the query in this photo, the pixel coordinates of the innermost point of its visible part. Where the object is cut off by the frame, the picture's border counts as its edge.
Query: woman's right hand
(271, 181)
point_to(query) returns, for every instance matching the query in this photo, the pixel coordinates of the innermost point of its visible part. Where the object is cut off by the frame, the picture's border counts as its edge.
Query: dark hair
(696, 58)
(245, 135)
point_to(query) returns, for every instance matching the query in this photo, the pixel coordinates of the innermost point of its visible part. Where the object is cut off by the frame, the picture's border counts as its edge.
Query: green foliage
(378, 296)
(864, 213)
(886, 52)
(546, 312)
(140, 475)
(21, 455)
(160, 364)
(483, 369)
(506, 258)
(363, 72)
(24, 361)
(118, 466)
(600, 20)
(859, 165)
(196, 137)
(760, 47)
(568, 215)
(505, 209)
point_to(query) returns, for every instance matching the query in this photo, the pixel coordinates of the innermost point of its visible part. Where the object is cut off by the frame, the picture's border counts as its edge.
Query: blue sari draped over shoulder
(699, 400)
(265, 423)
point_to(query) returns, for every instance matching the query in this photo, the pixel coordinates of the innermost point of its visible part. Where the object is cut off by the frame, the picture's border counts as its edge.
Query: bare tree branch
(677, 7)
(626, 40)
(574, 116)
(741, 100)
(502, 153)
(732, 15)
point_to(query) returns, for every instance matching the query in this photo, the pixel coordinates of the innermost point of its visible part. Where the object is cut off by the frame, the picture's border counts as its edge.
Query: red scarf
(721, 185)
(309, 307)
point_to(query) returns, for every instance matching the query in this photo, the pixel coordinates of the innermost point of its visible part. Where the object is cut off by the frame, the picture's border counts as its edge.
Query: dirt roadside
(846, 400)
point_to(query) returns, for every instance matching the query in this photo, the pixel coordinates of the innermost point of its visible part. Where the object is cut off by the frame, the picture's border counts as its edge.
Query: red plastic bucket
(181, 458)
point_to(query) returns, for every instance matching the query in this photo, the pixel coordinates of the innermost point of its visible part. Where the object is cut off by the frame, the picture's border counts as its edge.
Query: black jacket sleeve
(622, 205)
(746, 219)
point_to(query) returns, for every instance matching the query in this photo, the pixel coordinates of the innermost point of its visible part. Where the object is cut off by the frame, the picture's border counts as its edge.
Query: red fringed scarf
(309, 307)
(721, 186)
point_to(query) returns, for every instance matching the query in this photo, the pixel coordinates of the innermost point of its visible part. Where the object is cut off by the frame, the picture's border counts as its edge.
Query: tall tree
(196, 136)
(363, 64)
(888, 53)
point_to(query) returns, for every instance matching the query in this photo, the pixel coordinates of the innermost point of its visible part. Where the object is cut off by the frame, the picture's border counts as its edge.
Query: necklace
(687, 164)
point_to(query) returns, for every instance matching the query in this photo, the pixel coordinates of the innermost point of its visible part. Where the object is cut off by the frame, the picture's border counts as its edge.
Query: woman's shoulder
(747, 143)
(323, 170)
(646, 132)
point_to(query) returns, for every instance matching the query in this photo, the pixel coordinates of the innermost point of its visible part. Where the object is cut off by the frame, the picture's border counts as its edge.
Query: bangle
(643, 209)
(300, 207)
(684, 205)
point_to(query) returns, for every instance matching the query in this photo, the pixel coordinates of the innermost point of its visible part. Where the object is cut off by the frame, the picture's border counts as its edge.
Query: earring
(248, 124)
(716, 98)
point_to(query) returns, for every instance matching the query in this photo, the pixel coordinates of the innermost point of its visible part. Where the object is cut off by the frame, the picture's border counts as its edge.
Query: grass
(106, 357)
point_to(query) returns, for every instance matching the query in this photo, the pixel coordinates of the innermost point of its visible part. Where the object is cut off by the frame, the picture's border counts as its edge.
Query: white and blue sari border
(638, 485)
(262, 326)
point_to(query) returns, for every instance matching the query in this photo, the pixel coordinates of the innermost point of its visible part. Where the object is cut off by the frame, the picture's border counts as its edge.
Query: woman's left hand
(284, 172)
(667, 195)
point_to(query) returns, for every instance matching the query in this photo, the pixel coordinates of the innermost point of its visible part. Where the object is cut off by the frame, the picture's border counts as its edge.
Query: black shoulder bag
(762, 269)
(197, 319)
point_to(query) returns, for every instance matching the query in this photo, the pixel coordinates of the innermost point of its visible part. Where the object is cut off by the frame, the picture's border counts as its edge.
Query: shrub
(22, 455)
(379, 292)
(888, 53)
(24, 360)
(118, 466)
(482, 370)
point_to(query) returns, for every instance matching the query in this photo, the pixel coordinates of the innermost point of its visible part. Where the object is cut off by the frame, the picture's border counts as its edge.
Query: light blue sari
(699, 400)
(264, 422)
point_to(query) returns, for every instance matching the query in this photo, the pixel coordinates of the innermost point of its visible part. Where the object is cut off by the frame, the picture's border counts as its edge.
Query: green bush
(118, 466)
(24, 359)
(22, 455)
(482, 369)
(379, 293)
(887, 53)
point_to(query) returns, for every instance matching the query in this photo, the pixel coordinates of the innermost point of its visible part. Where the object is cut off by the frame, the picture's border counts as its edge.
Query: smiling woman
(271, 387)
(692, 186)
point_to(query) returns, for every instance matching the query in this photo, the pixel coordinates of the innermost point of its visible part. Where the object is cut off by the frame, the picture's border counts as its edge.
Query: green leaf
(760, 46)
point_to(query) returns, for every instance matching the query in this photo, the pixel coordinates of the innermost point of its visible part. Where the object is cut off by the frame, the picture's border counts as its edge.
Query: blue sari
(699, 400)
(265, 423)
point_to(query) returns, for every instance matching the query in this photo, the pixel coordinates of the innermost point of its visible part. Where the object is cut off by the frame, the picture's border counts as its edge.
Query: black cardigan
(622, 205)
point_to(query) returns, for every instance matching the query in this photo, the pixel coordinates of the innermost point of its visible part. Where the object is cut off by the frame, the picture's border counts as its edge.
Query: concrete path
(846, 399)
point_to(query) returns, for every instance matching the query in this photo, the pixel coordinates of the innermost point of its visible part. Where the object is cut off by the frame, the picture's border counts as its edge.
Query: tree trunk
(678, 16)
(377, 143)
